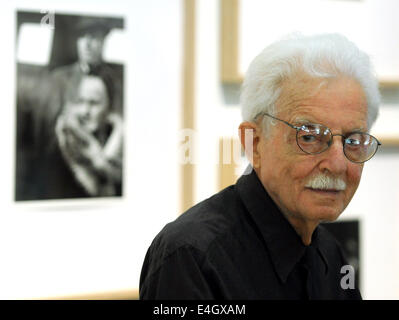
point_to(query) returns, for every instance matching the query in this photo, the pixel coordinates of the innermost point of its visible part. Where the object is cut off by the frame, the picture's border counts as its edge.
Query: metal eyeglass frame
(330, 142)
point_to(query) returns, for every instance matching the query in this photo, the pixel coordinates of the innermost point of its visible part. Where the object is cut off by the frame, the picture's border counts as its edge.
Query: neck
(87, 67)
(303, 228)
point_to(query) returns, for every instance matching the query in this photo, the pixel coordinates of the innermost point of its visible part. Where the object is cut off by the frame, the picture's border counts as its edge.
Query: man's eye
(308, 138)
(352, 142)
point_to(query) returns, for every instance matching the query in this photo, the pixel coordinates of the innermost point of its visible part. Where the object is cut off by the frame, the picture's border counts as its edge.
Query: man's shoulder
(66, 70)
(200, 225)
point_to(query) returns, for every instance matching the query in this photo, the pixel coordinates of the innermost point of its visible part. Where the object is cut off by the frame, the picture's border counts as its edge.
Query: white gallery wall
(74, 247)
(372, 24)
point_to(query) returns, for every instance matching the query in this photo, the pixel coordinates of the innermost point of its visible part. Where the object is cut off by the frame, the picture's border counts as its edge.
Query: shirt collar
(284, 244)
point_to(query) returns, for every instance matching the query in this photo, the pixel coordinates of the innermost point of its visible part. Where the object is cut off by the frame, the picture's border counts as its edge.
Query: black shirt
(238, 245)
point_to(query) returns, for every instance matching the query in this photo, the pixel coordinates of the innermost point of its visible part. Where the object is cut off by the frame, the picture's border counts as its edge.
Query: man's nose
(87, 39)
(334, 159)
(84, 109)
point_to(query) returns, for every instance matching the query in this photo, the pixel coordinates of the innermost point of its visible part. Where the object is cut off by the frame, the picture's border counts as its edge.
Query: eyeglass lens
(316, 138)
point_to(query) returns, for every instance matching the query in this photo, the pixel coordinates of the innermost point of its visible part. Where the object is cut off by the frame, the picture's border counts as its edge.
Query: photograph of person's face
(92, 103)
(90, 46)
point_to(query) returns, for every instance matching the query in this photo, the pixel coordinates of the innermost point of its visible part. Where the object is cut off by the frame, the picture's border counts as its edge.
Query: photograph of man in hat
(76, 151)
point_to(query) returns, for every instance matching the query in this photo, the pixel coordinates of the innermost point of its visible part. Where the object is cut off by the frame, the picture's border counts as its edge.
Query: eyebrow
(363, 130)
(302, 121)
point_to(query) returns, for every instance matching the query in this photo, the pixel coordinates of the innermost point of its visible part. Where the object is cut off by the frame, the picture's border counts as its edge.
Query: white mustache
(324, 182)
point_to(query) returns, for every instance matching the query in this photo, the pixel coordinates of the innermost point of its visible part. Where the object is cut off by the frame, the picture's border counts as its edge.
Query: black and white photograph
(69, 107)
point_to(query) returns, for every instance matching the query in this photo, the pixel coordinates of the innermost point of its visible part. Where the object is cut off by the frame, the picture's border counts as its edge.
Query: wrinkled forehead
(297, 88)
(336, 100)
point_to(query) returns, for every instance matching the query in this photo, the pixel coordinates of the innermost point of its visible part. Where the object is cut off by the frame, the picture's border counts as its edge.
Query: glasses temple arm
(269, 115)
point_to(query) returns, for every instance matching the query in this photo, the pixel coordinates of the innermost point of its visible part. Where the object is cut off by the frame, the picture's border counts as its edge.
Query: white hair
(320, 56)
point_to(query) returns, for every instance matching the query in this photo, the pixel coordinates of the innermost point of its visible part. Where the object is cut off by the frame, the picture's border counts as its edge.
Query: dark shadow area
(347, 234)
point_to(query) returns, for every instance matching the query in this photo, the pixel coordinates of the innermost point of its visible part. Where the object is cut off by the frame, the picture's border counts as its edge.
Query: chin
(324, 214)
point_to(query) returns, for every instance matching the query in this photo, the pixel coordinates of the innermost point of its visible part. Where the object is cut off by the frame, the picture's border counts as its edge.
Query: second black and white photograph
(69, 106)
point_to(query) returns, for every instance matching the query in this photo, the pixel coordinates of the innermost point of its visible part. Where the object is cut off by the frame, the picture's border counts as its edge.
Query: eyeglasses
(312, 138)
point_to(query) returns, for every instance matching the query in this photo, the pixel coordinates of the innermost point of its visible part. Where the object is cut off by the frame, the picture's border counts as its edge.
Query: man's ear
(249, 134)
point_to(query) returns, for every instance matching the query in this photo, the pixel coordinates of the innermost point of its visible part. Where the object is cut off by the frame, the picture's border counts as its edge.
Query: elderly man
(308, 104)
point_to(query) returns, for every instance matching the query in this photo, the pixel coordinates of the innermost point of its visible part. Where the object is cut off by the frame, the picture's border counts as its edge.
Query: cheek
(281, 160)
(287, 172)
(95, 46)
(98, 112)
(81, 44)
(75, 111)
(354, 175)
